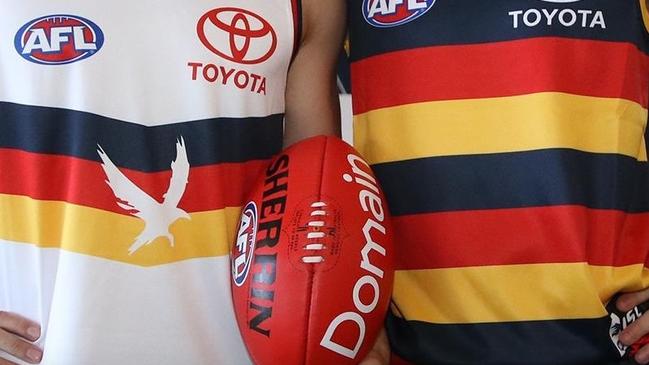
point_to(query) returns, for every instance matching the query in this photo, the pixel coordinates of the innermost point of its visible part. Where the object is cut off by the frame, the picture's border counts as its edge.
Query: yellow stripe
(611, 280)
(108, 235)
(495, 125)
(512, 293)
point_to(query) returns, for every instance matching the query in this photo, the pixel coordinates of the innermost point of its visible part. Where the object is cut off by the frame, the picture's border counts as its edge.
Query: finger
(634, 331)
(6, 362)
(20, 326)
(19, 348)
(642, 356)
(372, 360)
(380, 353)
(375, 358)
(383, 346)
(627, 301)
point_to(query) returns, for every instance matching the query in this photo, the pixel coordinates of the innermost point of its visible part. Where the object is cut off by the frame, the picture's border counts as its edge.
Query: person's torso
(509, 136)
(130, 132)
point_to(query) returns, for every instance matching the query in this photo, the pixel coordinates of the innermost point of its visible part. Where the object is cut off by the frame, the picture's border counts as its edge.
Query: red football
(312, 266)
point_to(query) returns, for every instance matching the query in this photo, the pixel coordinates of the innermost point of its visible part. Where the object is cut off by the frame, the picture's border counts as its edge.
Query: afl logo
(245, 246)
(390, 13)
(238, 35)
(58, 39)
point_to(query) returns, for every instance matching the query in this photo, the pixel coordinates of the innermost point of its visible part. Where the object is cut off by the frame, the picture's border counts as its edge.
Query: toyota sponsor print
(239, 36)
(562, 15)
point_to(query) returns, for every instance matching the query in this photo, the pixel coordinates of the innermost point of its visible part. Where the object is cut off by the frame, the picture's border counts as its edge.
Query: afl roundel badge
(237, 35)
(58, 39)
(245, 245)
(391, 13)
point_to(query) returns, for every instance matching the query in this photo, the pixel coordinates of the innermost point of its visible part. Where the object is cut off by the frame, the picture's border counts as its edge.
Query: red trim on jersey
(553, 234)
(583, 67)
(296, 7)
(83, 182)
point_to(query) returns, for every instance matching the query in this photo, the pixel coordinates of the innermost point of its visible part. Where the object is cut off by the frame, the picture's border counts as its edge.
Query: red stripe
(82, 182)
(582, 67)
(558, 234)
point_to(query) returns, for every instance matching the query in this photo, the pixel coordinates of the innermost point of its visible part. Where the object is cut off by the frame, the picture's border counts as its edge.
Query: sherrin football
(312, 265)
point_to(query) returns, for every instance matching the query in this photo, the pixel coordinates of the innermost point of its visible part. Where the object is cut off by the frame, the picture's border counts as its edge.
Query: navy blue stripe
(556, 342)
(514, 180)
(457, 22)
(77, 134)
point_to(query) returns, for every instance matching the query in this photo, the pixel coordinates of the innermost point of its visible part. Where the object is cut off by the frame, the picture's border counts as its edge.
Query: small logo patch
(560, 1)
(391, 13)
(58, 39)
(245, 245)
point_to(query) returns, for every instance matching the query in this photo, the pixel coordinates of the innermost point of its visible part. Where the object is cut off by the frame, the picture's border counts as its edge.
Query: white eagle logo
(157, 217)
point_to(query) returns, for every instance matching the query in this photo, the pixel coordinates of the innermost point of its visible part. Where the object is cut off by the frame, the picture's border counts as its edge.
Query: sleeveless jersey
(509, 136)
(130, 133)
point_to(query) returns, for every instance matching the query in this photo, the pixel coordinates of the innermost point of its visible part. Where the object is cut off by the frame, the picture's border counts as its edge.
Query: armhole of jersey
(644, 8)
(644, 149)
(642, 154)
(296, 6)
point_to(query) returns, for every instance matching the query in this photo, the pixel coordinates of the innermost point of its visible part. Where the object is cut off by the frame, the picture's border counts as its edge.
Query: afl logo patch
(245, 245)
(237, 35)
(58, 39)
(391, 13)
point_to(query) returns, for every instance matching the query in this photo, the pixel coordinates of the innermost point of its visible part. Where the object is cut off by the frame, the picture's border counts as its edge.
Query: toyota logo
(238, 35)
